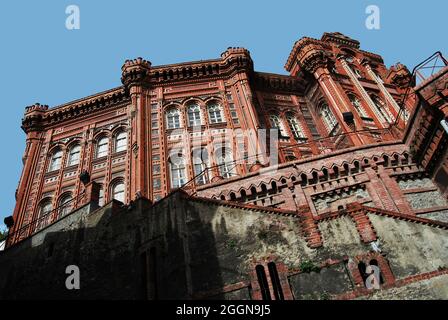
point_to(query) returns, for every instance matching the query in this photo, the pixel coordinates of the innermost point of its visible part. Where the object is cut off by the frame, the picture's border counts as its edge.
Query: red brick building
(196, 125)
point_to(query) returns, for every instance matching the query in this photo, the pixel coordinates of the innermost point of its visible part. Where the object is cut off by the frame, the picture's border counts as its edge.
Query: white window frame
(226, 165)
(121, 141)
(74, 155)
(200, 164)
(55, 161)
(178, 172)
(328, 117)
(194, 115)
(277, 123)
(118, 195)
(215, 113)
(102, 147)
(173, 120)
(295, 127)
(65, 205)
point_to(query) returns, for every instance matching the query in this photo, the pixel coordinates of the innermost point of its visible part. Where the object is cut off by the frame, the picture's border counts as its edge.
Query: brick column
(362, 221)
(309, 227)
(381, 197)
(395, 192)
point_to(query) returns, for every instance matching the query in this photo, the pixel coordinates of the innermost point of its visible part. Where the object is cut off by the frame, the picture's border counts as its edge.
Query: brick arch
(72, 143)
(171, 104)
(102, 133)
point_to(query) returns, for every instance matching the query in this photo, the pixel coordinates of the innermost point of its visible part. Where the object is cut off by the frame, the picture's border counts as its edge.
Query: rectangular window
(156, 184)
(233, 113)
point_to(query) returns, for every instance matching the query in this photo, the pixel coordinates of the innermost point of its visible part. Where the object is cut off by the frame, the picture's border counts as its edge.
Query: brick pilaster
(394, 190)
(362, 221)
(381, 196)
(309, 227)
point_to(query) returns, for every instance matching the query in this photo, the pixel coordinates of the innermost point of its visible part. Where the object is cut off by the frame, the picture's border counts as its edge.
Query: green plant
(231, 244)
(262, 234)
(308, 266)
(324, 296)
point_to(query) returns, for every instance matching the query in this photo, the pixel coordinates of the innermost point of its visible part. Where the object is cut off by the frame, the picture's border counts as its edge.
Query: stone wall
(194, 248)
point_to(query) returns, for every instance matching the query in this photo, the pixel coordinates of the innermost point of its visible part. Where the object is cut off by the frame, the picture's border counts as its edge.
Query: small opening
(232, 196)
(346, 169)
(362, 271)
(357, 167)
(336, 172)
(274, 187)
(223, 197)
(304, 179)
(386, 161)
(263, 282)
(278, 292)
(253, 192)
(315, 177)
(264, 189)
(340, 208)
(243, 195)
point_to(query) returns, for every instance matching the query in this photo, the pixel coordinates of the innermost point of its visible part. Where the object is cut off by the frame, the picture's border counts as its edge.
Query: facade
(200, 121)
(239, 184)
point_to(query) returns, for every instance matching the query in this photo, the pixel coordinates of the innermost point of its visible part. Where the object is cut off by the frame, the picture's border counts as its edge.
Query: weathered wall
(194, 248)
(103, 244)
(411, 248)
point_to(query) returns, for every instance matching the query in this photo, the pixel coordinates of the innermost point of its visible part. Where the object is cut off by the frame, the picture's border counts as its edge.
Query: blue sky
(44, 62)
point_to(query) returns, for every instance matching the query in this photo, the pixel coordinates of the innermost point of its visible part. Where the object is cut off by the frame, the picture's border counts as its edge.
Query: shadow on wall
(123, 252)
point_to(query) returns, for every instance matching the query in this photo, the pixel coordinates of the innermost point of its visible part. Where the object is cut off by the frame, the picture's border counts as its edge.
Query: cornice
(279, 82)
(38, 116)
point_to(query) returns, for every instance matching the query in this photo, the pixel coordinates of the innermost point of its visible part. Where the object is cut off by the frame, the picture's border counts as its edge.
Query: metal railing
(421, 72)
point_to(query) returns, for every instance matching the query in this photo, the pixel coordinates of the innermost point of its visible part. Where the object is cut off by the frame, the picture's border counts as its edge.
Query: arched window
(173, 118)
(275, 279)
(263, 282)
(295, 127)
(276, 123)
(121, 141)
(55, 162)
(65, 205)
(359, 108)
(357, 73)
(102, 148)
(349, 58)
(200, 164)
(215, 113)
(118, 191)
(177, 170)
(45, 209)
(225, 163)
(382, 109)
(194, 115)
(73, 155)
(328, 117)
